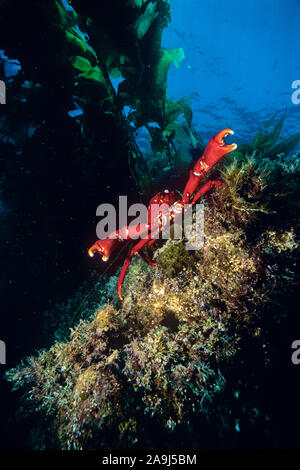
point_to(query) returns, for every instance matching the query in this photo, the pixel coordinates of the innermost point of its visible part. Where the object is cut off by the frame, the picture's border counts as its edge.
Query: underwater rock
(167, 358)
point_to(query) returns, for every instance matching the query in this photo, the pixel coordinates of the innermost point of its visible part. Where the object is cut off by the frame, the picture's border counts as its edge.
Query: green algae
(97, 55)
(164, 362)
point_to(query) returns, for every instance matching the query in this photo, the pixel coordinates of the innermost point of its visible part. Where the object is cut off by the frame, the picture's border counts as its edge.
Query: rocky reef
(183, 361)
(196, 356)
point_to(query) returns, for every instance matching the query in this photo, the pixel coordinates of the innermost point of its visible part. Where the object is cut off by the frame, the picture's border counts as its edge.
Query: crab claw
(104, 248)
(214, 151)
(219, 139)
(97, 248)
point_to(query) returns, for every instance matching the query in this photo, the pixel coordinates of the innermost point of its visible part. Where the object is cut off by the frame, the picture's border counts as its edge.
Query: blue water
(241, 58)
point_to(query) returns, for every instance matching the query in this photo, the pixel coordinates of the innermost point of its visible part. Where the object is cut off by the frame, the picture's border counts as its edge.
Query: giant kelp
(138, 60)
(182, 359)
(67, 143)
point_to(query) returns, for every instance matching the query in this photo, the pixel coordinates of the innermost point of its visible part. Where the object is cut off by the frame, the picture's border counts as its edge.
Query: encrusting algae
(182, 362)
(191, 334)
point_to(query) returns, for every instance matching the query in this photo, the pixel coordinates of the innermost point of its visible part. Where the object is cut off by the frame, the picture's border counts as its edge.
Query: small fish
(180, 34)
(192, 69)
(199, 50)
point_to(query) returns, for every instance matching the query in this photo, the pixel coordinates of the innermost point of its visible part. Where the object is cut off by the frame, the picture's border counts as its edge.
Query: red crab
(149, 232)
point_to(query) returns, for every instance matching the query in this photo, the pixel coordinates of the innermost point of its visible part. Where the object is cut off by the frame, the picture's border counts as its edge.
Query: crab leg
(149, 244)
(107, 246)
(148, 259)
(215, 150)
(206, 187)
(134, 252)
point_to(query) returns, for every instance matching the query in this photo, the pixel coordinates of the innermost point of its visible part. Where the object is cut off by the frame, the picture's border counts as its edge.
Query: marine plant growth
(182, 359)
